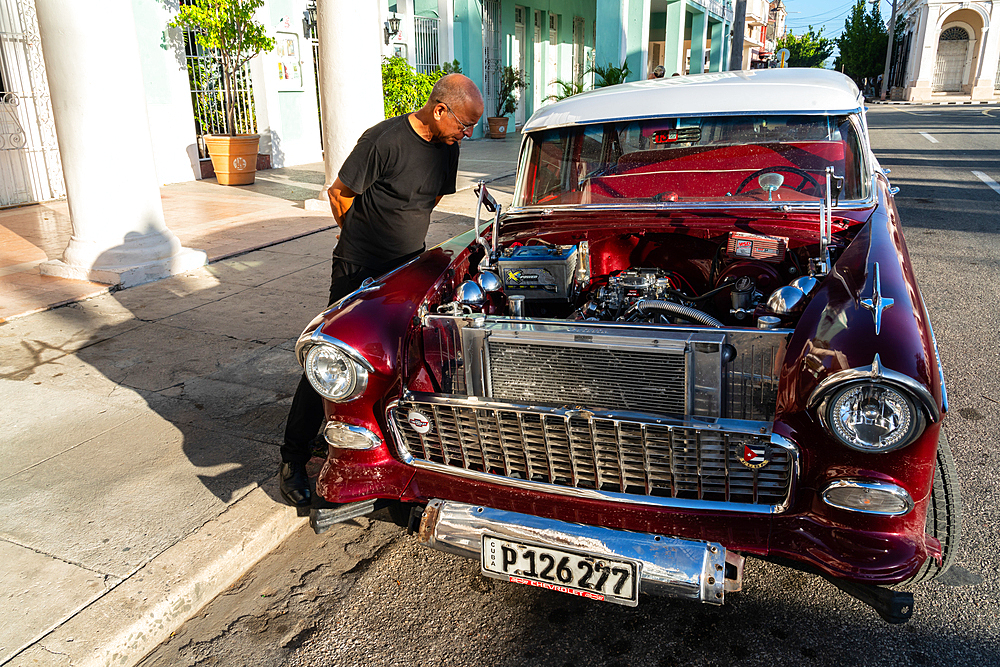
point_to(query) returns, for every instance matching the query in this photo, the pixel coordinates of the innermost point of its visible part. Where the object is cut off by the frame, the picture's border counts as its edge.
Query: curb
(126, 623)
(932, 103)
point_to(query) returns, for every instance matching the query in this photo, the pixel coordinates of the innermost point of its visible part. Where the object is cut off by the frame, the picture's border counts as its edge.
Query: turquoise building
(561, 40)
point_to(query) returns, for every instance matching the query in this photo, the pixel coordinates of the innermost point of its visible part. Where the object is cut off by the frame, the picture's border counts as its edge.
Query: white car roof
(764, 91)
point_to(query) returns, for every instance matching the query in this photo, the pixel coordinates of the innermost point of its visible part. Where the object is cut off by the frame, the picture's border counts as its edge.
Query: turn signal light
(868, 497)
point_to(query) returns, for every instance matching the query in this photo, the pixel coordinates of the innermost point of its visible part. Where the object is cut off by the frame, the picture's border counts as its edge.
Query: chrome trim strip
(876, 373)
(670, 566)
(373, 440)
(851, 205)
(317, 337)
(892, 489)
(721, 425)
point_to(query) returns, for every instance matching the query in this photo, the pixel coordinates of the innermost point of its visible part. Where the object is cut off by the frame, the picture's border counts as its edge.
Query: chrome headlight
(872, 417)
(333, 373)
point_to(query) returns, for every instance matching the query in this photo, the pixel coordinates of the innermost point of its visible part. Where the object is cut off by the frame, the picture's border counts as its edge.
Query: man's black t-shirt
(398, 176)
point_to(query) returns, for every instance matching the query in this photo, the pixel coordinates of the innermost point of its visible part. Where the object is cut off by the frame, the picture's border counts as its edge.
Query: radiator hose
(674, 309)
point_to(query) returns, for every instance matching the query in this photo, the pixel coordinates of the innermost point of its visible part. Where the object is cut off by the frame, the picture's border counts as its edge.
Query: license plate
(592, 576)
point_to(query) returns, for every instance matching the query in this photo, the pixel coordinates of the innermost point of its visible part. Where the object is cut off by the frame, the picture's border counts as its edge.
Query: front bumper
(673, 567)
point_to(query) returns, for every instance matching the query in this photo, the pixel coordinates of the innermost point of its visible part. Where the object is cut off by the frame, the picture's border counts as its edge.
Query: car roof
(768, 91)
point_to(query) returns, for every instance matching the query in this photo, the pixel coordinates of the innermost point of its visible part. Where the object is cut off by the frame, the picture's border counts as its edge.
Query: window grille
(426, 32)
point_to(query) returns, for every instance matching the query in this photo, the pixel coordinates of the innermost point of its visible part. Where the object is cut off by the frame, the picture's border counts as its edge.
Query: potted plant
(511, 81)
(227, 29)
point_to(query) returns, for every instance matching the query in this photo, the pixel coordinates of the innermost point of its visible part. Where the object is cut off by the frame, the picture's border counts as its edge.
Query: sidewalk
(141, 426)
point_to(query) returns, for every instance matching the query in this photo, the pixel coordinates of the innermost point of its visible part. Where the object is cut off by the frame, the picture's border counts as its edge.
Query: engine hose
(677, 309)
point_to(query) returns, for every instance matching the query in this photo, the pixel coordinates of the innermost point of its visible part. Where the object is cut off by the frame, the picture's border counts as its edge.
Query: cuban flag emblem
(754, 455)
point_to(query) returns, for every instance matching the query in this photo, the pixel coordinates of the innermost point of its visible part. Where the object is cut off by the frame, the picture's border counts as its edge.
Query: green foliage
(808, 50)
(566, 89)
(862, 44)
(609, 74)
(511, 80)
(403, 88)
(451, 68)
(227, 29)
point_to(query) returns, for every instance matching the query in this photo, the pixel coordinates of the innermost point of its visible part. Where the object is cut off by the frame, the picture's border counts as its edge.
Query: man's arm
(341, 198)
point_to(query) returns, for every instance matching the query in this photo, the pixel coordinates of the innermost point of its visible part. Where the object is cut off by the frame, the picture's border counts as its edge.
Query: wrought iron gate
(208, 93)
(492, 56)
(949, 71)
(30, 170)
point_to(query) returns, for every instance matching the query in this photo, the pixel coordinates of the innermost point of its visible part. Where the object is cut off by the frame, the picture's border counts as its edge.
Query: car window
(714, 158)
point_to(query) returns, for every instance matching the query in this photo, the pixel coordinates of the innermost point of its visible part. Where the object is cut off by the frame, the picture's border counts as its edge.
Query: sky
(828, 14)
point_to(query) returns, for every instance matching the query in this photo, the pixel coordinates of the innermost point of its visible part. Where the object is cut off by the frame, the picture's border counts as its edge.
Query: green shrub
(403, 88)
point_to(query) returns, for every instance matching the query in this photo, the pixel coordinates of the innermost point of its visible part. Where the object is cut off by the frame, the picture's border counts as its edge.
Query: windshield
(730, 159)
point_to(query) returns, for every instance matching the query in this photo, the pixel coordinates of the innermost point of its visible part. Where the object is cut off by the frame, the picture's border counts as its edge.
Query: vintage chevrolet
(694, 337)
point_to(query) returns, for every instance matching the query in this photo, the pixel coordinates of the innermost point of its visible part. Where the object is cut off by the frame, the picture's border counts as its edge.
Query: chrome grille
(607, 366)
(606, 453)
(597, 378)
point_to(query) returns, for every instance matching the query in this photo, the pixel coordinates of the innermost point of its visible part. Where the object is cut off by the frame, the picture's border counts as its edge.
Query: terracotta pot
(233, 158)
(498, 127)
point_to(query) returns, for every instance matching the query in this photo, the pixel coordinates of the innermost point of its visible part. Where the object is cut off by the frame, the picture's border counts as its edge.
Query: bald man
(382, 200)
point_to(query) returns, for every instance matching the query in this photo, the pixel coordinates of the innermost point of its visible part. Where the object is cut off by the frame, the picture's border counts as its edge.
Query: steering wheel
(801, 173)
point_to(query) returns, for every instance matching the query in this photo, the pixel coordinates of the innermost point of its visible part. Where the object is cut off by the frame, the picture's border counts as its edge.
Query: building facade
(554, 41)
(948, 51)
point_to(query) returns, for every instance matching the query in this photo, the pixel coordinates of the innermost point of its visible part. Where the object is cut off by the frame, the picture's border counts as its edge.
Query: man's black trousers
(306, 415)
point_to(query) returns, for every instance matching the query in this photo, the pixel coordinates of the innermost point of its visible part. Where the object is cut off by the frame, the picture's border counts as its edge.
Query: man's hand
(341, 198)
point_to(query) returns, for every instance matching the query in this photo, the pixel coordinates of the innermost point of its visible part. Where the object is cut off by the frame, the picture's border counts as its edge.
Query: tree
(809, 50)
(862, 44)
(227, 29)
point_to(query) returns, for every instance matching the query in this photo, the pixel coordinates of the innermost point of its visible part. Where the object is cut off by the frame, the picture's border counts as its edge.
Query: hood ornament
(877, 303)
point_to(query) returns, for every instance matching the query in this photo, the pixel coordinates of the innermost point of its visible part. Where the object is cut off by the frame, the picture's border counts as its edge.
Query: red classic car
(694, 337)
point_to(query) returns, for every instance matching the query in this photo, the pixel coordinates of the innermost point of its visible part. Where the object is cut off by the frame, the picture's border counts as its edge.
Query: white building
(949, 51)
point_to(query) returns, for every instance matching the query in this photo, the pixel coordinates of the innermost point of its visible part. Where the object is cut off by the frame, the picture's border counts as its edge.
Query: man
(658, 72)
(382, 201)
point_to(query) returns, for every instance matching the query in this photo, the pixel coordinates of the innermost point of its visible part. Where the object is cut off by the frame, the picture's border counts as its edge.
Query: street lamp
(309, 20)
(391, 28)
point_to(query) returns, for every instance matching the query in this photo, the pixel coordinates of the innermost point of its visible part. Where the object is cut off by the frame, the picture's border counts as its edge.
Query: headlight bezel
(923, 407)
(915, 426)
(312, 342)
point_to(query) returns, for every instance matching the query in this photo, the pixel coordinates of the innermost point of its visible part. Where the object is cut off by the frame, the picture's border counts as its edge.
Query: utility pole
(739, 25)
(888, 51)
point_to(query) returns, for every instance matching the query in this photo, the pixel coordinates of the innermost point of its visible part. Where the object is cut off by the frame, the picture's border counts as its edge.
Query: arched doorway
(953, 50)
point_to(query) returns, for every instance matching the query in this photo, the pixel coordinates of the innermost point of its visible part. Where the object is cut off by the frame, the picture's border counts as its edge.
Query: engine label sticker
(755, 455)
(743, 247)
(530, 278)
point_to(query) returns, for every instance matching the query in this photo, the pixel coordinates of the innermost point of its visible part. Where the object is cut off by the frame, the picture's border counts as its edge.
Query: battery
(538, 272)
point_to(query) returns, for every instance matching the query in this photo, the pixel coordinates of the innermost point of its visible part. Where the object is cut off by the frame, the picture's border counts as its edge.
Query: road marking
(914, 113)
(986, 112)
(987, 180)
(929, 137)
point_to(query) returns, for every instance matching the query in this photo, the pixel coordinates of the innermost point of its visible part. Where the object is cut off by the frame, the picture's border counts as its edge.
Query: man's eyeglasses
(465, 126)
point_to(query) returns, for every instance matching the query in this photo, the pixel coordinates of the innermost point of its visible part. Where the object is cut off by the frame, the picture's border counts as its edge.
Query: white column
(119, 235)
(927, 44)
(350, 71)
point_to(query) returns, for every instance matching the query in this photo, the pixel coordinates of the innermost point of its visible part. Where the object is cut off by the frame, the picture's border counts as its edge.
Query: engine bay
(732, 279)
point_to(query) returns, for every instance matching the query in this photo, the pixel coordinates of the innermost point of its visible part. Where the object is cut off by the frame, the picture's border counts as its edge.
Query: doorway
(949, 70)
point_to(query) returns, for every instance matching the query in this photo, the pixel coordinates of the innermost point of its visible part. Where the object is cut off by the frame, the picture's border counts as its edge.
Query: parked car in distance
(695, 337)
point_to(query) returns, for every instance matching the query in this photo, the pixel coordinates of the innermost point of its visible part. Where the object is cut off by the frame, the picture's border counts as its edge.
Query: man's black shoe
(294, 484)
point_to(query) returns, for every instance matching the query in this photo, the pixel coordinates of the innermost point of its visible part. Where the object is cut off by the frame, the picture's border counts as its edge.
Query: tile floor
(221, 221)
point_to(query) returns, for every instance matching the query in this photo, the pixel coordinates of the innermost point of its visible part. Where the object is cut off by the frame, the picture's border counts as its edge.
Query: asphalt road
(366, 594)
